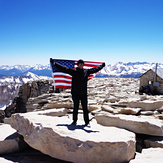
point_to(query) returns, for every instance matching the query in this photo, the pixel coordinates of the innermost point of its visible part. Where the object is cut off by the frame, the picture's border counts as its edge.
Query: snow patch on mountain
(2, 107)
(29, 77)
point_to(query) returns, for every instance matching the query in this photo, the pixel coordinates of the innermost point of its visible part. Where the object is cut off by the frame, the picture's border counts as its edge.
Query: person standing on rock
(79, 86)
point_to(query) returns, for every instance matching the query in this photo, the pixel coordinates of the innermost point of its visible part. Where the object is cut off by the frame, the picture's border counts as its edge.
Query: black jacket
(79, 77)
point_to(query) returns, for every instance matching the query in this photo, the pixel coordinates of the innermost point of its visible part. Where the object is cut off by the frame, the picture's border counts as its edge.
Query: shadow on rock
(75, 127)
(31, 155)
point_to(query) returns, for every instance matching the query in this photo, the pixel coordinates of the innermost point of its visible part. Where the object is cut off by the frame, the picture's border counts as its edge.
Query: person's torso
(79, 81)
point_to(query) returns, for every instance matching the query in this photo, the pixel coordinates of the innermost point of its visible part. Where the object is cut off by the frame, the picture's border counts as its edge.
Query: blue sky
(32, 31)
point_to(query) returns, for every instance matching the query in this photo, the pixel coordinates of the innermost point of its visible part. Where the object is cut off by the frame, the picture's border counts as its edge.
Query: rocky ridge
(114, 104)
(26, 91)
(9, 86)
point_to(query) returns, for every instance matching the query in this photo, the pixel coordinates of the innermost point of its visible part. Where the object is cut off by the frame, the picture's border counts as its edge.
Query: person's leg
(75, 99)
(85, 109)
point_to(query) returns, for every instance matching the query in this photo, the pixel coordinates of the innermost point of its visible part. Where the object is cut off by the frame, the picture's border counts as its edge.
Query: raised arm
(96, 69)
(62, 68)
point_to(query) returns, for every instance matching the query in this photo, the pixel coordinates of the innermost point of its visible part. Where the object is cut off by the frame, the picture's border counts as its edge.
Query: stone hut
(155, 82)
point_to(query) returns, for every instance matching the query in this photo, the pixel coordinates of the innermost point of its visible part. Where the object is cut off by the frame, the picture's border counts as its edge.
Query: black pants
(76, 99)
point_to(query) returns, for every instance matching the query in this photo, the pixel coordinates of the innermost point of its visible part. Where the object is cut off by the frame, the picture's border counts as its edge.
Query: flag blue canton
(67, 63)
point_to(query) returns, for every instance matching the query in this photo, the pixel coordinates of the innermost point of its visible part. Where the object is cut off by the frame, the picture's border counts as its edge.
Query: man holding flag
(80, 77)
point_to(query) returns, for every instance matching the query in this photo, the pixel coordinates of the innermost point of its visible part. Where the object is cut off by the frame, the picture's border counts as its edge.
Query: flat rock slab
(150, 155)
(128, 111)
(55, 136)
(146, 105)
(137, 124)
(53, 112)
(10, 140)
(107, 108)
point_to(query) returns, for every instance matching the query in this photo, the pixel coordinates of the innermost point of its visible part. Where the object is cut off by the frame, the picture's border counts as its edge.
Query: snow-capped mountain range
(18, 70)
(119, 69)
(12, 77)
(129, 70)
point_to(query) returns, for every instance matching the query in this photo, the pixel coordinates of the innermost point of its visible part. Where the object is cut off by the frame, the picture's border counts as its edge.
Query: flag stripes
(63, 80)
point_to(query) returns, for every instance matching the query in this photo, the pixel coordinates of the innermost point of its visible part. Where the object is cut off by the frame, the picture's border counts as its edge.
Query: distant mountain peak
(29, 74)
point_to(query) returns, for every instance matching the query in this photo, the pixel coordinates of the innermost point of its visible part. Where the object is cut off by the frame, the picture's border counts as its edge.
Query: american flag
(63, 80)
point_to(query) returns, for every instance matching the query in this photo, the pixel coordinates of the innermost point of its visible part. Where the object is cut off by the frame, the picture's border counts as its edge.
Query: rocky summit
(124, 125)
(57, 137)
